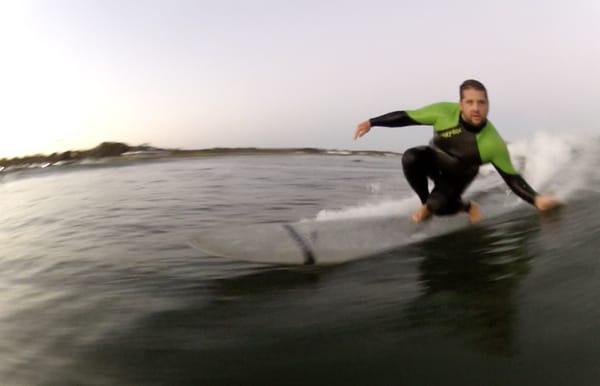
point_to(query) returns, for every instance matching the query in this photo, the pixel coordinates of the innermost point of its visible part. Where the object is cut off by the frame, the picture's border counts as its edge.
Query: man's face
(474, 106)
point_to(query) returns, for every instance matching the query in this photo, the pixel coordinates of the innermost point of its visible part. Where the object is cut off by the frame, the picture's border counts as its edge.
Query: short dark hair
(474, 84)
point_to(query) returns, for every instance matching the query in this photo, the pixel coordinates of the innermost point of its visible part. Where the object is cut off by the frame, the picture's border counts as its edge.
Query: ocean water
(99, 285)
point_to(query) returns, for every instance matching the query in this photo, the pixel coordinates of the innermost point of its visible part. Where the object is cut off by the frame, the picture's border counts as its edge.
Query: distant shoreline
(122, 150)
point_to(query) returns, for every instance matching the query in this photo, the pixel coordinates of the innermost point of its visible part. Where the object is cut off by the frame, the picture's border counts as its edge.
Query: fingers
(362, 129)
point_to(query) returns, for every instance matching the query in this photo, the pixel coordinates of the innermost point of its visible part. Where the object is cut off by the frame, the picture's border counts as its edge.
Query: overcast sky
(198, 74)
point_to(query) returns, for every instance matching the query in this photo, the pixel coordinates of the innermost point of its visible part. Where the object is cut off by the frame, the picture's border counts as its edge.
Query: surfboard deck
(319, 242)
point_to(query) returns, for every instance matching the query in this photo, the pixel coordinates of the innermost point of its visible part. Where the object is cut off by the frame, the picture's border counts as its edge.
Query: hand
(544, 203)
(362, 129)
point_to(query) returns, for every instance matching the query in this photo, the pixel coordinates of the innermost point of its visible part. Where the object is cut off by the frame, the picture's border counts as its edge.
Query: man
(463, 140)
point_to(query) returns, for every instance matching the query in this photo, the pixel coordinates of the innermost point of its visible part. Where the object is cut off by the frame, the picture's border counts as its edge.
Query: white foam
(377, 209)
(542, 154)
(338, 152)
(558, 165)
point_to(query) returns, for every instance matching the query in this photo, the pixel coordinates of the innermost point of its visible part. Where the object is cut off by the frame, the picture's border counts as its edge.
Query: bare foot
(421, 214)
(474, 213)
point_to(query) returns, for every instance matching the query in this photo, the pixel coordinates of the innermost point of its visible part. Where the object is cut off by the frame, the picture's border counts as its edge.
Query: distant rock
(107, 149)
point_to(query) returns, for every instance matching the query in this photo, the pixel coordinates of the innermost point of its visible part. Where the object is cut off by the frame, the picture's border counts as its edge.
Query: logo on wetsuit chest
(451, 133)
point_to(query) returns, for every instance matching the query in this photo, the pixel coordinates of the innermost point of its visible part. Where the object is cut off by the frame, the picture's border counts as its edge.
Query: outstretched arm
(427, 115)
(522, 189)
(518, 185)
(394, 119)
(500, 158)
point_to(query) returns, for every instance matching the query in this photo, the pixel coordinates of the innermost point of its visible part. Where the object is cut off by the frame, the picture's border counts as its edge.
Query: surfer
(463, 140)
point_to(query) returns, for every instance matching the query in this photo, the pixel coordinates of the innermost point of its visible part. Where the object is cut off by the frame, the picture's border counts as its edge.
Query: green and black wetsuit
(453, 156)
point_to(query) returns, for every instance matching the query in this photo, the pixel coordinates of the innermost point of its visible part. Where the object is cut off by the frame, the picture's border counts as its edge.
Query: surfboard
(319, 242)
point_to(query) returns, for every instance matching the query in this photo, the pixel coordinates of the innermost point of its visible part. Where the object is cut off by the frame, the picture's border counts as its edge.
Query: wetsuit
(453, 156)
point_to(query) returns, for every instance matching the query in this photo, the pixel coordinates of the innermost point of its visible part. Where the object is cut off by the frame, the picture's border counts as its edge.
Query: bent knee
(414, 155)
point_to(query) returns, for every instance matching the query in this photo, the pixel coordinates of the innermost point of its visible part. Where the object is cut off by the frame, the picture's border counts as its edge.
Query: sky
(262, 73)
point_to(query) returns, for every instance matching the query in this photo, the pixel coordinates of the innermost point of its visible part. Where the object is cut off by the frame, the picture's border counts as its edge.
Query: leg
(445, 199)
(442, 204)
(474, 212)
(421, 163)
(418, 163)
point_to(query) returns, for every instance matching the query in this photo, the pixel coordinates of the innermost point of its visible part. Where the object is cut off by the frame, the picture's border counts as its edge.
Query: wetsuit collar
(472, 128)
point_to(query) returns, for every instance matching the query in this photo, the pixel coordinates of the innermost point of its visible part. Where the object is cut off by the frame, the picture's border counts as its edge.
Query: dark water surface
(99, 287)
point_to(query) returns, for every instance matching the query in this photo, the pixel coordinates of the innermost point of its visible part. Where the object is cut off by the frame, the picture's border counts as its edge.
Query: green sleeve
(492, 148)
(502, 161)
(441, 115)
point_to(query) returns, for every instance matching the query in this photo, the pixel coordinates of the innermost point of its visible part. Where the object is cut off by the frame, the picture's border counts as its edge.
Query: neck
(471, 127)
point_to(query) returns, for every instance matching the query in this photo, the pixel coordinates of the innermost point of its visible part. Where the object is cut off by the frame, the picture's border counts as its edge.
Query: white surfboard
(320, 242)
